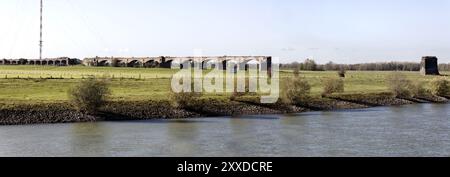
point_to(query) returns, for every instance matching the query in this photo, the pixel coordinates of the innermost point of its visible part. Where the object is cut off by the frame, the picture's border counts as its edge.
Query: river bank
(45, 113)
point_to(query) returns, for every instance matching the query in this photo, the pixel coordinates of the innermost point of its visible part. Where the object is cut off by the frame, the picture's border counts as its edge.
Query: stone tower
(429, 66)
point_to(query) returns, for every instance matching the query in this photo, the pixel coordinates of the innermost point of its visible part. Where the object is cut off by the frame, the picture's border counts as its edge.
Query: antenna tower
(40, 41)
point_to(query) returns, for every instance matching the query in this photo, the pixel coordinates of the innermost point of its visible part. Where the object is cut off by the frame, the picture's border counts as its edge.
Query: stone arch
(252, 62)
(103, 63)
(134, 63)
(31, 62)
(57, 62)
(22, 61)
(227, 62)
(120, 63)
(210, 63)
(166, 64)
(151, 64)
(51, 62)
(188, 62)
(44, 62)
(64, 63)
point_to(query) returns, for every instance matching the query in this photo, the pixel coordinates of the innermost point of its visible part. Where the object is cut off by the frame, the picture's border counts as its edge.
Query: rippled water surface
(413, 130)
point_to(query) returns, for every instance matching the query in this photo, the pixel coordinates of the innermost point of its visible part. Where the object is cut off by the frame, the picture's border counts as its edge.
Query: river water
(412, 130)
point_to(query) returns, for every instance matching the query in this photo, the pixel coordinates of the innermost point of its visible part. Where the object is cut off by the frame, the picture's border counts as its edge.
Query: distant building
(429, 66)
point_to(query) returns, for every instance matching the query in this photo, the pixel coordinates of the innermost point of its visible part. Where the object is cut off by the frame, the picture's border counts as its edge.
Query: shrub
(89, 95)
(418, 89)
(399, 85)
(235, 95)
(185, 100)
(297, 72)
(295, 90)
(440, 87)
(333, 85)
(342, 72)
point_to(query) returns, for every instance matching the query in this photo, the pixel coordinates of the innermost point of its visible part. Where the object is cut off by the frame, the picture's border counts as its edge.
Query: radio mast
(40, 41)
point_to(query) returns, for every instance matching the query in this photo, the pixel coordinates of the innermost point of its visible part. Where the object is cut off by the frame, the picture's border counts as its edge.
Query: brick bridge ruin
(62, 61)
(239, 62)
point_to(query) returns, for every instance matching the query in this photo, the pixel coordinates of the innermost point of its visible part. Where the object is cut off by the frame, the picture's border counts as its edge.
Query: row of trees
(444, 67)
(311, 65)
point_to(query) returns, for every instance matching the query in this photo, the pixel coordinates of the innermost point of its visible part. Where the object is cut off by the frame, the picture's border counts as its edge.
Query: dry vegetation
(333, 85)
(89, 95)
(399, 84)
(295, 90)
(440, 87)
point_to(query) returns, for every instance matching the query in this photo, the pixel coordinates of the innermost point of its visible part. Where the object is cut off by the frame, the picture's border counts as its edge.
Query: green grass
(78, 72)
(23, 83)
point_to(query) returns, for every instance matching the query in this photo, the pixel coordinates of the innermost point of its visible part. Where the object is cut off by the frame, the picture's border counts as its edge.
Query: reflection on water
(88, 138)
(184, 132)
(413, 130)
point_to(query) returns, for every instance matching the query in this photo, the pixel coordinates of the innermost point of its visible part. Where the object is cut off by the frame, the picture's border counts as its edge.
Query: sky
(344, 31)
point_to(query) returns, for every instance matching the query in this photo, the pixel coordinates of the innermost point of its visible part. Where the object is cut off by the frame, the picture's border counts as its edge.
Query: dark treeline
(311, 65)
(444, 67)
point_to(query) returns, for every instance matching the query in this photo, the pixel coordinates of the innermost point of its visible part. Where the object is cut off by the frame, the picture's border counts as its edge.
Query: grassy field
(49, 84)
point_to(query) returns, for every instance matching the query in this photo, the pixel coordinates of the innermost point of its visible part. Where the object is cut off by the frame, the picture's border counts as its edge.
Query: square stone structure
(429, 66)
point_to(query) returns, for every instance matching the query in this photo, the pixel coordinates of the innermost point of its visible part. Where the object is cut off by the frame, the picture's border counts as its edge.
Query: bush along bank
(43, 113)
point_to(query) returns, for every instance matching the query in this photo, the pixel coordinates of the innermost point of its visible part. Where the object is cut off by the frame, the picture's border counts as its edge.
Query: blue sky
(344, 31)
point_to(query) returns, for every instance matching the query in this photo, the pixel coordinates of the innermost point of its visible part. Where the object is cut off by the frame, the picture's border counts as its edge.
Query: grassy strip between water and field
(39, 94)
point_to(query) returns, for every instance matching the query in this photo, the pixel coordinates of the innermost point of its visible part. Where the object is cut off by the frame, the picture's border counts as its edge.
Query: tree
(342, 72)
(310, 65)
